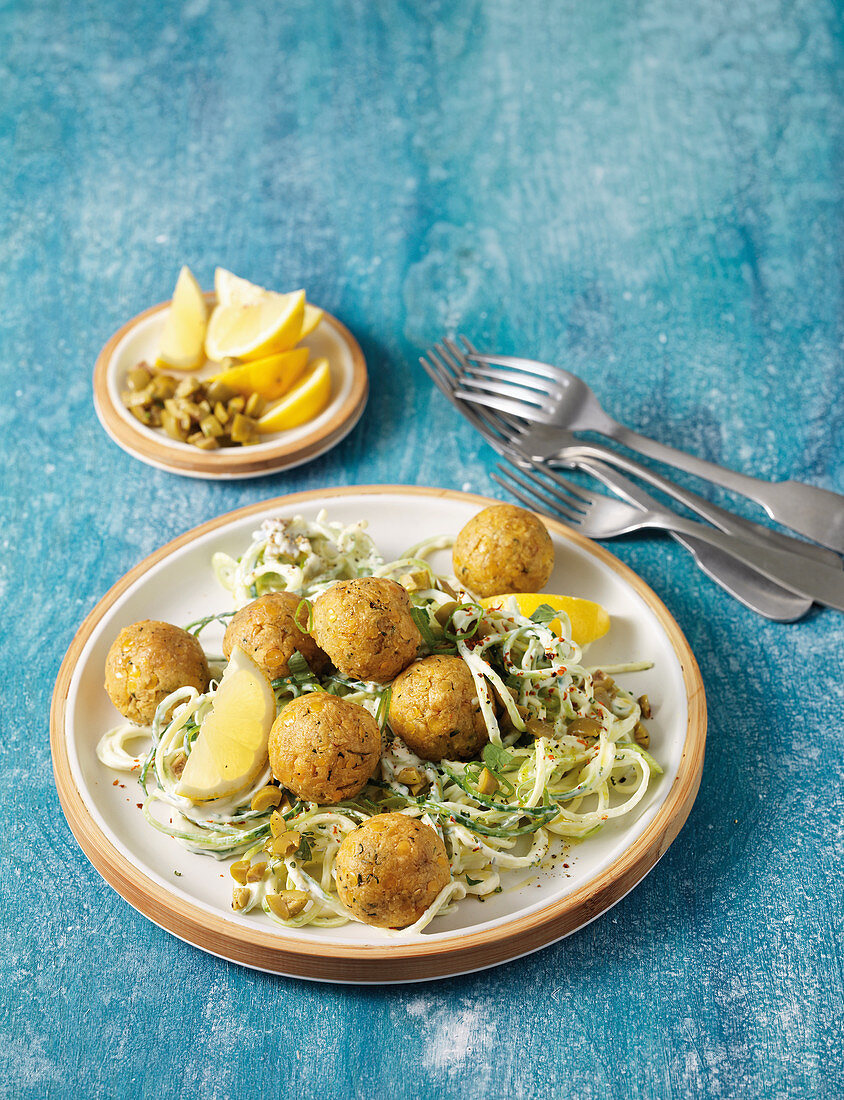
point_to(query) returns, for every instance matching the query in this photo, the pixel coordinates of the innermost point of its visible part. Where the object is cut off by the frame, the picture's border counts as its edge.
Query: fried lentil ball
(366, 628)
(390, 869)
(324, 748)
(434, 709)
(267, 630)
(503, 549)
(147, 661)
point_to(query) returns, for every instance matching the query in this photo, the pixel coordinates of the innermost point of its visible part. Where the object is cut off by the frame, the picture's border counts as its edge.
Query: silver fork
(741, 581)
(602, 517)
(566, 447)
(550, 398)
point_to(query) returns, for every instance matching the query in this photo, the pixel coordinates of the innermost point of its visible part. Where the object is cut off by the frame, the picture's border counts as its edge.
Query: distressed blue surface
(647, 192)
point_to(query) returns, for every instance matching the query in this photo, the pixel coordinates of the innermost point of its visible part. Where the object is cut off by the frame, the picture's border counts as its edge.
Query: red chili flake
(140, 805)
(116, 783)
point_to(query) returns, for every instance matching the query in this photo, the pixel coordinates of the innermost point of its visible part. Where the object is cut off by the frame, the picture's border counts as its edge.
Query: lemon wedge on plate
(270, 377)
(313, 316)
(231, 290)
(589, 621)
(255, 329)
(306, 400)
(182, 344)
(231, 748)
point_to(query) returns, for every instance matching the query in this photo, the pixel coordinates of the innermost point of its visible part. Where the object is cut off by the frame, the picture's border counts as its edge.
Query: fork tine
(559, 497)
(506, 477)
(506, 388)
(440, 371)
(522, 409)
(584, 498)
(432, 369)
(450, 352)
(531, 366)
(474, 374)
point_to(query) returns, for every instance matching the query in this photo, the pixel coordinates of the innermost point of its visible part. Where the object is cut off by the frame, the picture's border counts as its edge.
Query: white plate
(138, 341)
(177, 585)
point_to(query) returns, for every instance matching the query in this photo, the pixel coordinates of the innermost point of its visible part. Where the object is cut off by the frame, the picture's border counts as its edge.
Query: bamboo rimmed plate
(190, 895)
(138, 340)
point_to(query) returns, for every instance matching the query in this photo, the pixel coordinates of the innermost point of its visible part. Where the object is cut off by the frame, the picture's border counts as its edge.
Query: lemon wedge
(589, 621)
(254, 330)
(231, 747)
(312, 318)
(231, 290)
(270, 377)
(306, 400)
(182, 344)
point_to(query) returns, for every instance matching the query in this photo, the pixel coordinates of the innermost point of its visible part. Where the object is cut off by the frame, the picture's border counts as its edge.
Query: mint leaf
(544, 614)
(496, 758)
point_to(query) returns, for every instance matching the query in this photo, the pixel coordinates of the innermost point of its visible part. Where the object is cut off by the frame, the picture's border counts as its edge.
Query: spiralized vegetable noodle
(563, 756)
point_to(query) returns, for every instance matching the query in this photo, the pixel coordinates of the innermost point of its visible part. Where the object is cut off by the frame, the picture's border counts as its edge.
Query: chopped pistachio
(244, 429)
(210, 426)
(255, 405)
(288, 904)
(256, 872)
(239, 871)
(285, 844)
(241, 897)
(266, 797)
(487, 783)
(163, 386)
(412, 778)
(139, 377)
(188, 387)
(444, 612)
(584, 727)
(414, 581)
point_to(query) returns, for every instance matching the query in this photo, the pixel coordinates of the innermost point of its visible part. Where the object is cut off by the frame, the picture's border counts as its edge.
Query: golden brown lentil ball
(434, 709)
(266, 630)
(503, 549)
(324, 748)
(390, 869)
(366, 628)
(147, 661)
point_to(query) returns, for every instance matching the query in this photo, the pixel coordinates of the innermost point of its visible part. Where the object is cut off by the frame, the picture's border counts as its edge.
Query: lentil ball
(390, 869)
(503, 549)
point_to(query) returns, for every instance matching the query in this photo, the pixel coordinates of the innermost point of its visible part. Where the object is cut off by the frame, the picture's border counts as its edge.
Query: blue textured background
(648, 192)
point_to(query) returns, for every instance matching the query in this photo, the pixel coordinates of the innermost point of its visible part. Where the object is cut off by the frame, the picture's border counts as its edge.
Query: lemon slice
(306, 400)
(254, 330)
(312, 318)
(231, 747)
(589, 621)
(231, 290)
(270, 377)
(183, 337)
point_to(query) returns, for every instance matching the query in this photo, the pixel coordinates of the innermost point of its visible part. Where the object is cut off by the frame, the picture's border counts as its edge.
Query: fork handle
(822, 583)
(816, 513)
(746, 585)
(719, 517)
(734, 576)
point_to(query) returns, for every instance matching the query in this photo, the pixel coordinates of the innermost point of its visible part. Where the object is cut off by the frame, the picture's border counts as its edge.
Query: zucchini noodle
(563, 756)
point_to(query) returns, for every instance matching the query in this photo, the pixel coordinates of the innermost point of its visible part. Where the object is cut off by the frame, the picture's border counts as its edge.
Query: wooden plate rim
(229, 462)
(393, 962)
